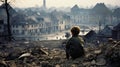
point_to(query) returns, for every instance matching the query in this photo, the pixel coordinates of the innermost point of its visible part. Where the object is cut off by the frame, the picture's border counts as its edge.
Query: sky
(61, 3)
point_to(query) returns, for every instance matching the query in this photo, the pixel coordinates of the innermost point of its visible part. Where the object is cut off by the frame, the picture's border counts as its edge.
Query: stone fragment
(25, 55)
(100, 61)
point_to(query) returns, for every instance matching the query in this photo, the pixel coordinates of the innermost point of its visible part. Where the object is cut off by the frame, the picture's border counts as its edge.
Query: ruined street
(52, 54)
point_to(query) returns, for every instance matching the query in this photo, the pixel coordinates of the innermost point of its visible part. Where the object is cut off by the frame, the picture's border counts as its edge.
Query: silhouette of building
(84, 16)
(116, 32)
(3, 32)
(79, 15)
(3, 20)
(101, 9)
(1, 28)
(3, 14)
(75, 9)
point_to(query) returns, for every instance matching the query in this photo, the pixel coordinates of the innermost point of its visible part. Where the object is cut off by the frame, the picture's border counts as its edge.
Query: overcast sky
(63, 3)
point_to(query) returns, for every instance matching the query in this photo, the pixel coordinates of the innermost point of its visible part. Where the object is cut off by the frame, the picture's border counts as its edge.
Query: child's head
(75, 31)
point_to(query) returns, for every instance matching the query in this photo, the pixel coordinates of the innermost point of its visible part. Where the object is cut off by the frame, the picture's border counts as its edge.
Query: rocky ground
(51, 54)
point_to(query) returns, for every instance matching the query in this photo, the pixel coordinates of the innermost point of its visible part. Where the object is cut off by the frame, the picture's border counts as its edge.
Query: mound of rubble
(31, 55)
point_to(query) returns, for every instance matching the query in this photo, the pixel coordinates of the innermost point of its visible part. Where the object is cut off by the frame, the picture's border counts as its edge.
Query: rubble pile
(29, 55)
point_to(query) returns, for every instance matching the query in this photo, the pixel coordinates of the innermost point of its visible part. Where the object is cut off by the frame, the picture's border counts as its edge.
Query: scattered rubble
(23, 55)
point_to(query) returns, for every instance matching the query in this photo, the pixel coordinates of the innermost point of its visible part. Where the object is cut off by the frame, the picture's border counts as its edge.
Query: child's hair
(75, 30)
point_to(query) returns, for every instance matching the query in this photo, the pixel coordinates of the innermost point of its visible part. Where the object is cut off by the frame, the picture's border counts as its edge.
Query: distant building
(102, 14)
(79, 15)
(61, 25)
(3, 14)
(68, 21)
(3, 17)
(32, 24)
(75, 9)
(36, 28)
(3, 32)
(28, 29)
(116, 32)
(93, 16)
(1, 27)
(116, 15)
(60, 21)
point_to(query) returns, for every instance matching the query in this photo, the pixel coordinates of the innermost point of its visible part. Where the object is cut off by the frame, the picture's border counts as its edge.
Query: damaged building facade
(31, 25)
(116, 32)
(34, 27)
(35, 30)
(98, 14)
(1, 30)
